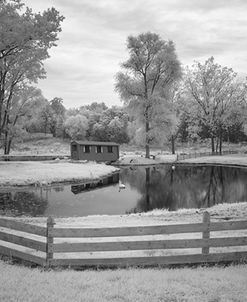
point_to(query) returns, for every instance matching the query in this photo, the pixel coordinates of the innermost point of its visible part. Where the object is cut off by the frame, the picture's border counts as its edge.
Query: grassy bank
(185, 284)
(48, 172)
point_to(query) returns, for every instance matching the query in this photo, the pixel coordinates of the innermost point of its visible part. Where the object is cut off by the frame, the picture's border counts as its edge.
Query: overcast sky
(92, 43)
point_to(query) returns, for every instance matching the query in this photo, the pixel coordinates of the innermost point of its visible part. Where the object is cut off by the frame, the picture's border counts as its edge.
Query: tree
(152, 66)
(46, 116)
(25, 39)
(58, 115)
(76, 126)
(214, 93)
(18, 110)
(33, 120)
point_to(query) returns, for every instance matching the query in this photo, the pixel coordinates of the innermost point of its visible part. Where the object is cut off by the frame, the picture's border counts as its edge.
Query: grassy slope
(41, 146)
(185, 284)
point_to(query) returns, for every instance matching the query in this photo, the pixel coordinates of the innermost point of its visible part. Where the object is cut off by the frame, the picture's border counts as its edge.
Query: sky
(92, 44)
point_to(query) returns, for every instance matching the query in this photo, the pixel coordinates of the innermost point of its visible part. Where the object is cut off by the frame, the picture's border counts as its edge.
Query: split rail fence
(119, 246)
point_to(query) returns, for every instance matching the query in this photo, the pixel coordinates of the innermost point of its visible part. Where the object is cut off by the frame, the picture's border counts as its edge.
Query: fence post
(49, 240)
(206, 232)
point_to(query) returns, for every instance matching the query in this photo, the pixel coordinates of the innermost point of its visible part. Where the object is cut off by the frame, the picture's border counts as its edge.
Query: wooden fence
(123, 246)
(201, 154)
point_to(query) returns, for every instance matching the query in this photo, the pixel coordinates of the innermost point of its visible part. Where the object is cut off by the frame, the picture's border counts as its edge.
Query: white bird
(43, 183)
(121, 185)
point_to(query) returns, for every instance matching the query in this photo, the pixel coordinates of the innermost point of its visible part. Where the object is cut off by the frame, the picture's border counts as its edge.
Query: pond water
(146, 188)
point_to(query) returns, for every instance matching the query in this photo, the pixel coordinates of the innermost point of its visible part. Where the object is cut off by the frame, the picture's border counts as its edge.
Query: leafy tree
(112, 126)
(25, 39)
(151, 68)
(33, 121)
(76, 126)
(46, 116)
(215, 94)
(58, 116)
(18, 110)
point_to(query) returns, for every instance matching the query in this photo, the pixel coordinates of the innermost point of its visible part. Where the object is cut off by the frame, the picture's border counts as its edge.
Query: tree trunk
(147, 189)
(217, 145)
(0, 116)
(147, 151)
(173, 144)
(212, 144)
(147, 140)
(220, 145)
(6, 145)
(1, 104)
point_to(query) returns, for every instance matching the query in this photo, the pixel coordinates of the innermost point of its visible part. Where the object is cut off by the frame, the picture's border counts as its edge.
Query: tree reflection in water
(22, 203)
(186, 186)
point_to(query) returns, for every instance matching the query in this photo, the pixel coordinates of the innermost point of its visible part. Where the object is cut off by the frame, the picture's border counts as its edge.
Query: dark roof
(93, 143)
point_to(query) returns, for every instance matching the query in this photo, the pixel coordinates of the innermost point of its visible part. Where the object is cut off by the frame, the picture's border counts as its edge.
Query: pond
(146, 188)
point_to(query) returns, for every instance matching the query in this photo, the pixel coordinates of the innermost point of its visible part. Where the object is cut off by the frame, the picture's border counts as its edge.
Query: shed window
(87, 149)
(109, 149)
(99, 149)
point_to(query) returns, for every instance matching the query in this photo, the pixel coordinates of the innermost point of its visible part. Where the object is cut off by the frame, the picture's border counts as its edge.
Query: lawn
(47, 172)
(19, 283)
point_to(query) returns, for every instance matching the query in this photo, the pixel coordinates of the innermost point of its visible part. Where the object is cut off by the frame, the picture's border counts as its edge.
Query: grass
(45, 144)
(20, 283)
(41, 145)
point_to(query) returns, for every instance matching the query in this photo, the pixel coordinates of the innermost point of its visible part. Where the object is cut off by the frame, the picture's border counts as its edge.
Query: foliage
(76, 126)
(25, 39)
(151, 68)
(215, 95)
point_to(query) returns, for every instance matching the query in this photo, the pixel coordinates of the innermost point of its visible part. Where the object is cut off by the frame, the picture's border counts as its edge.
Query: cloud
(92, 43)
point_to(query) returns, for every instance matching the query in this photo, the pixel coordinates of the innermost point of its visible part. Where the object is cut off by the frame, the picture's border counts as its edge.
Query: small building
(94, 151)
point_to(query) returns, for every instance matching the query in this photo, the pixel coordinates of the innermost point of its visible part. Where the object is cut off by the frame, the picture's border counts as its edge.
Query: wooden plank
(49, 240)
(21, 255)
(150, 261)
(227, 241)
(128, 231)
(33, 244)
(228, 225)
(148, 245)
(206, 232)
(23, 227)
(128, 245)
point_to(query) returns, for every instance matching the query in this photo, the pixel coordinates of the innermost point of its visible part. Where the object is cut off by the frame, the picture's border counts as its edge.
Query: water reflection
(186, 187)
(146, 188)
(22, 203)
(108, 181)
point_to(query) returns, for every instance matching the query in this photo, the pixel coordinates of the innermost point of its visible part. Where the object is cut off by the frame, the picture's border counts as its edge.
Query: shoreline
(238, 160)
(218, 212)
(33, 173)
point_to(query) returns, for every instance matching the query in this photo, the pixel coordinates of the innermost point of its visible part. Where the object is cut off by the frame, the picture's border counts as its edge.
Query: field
(41, 144)
(202, 284)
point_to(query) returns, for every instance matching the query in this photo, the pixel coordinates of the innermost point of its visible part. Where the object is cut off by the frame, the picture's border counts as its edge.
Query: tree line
(204, 101)
(163, 102)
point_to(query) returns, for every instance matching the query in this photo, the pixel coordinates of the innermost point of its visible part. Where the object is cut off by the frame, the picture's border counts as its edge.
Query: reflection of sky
(106, 200)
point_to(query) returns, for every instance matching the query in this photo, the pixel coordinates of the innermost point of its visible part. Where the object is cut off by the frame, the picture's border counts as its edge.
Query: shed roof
(94, 143)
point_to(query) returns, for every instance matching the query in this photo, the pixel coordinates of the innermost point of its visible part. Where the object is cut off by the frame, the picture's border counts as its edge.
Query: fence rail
(121, 246)
(201, 154)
